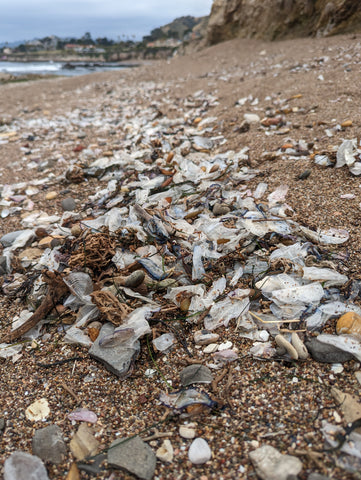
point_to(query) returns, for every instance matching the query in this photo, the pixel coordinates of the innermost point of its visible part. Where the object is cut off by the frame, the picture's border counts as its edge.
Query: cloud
(24, 19)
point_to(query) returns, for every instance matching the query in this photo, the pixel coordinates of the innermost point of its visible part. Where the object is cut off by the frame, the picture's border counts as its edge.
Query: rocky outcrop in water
(281, 18)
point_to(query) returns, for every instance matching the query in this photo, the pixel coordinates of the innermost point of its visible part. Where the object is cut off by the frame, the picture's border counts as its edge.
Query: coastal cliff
(281, 19)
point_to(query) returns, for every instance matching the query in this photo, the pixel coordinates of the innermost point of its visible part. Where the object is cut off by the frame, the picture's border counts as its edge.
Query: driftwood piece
(56, 290)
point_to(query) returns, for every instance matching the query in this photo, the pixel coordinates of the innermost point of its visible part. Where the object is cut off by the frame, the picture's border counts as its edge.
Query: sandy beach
(311, 88)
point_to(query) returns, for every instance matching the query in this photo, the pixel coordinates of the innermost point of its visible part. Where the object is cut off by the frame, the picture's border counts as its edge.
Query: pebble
(76, 230)
(349, 324)
(94, 468)
(195, 373)
(188, 431)
(39, 410)
(84, 443)
(3, 263)
(2, 424)
(270, 464)
(252, 118)
(48, 444)
(323, 353)
(83, 415)
(358, 376)
(317, 476)
(50, 242)
(134, 456)
(68, 204)
(199, 451)
(350, 405)
(220, 209)
(165, 452)
(211, 348)
(225, 346)
(51, 195)
(22, 465)
(205, 337)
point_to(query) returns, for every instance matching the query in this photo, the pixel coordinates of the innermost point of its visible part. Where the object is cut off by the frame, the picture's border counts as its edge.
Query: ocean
(57, 68)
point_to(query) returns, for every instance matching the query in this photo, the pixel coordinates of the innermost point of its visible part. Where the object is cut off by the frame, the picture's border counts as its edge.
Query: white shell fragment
(188, 431)
(165, 452)
(199, 451)
(39, 410)
(299, 346)
(286, 345)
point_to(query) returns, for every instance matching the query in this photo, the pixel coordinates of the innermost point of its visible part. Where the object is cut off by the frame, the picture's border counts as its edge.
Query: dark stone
(2, 424)
(2, 265)
(323, 353)
(68, 204)
(317, 476)
(94, 468)
(134, 456)
(48, 444)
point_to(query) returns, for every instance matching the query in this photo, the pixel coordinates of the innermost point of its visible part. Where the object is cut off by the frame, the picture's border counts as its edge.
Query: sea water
(55, 68)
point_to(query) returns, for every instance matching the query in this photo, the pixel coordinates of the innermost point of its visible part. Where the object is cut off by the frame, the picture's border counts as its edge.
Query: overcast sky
(28, 19)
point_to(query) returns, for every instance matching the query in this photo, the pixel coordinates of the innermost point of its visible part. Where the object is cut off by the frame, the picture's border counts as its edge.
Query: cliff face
(272, 19)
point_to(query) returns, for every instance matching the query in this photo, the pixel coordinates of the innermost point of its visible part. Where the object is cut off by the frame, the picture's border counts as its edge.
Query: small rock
(347, 123)
(187, 431)
(199, 451)
(220, 209)
(76, 230)
(50, 242)
(3, 263)
(251, 118)
(305, 174)
(350, 405)
(117, 359)
(323, 353)
(84, 443)
(358, 376)
(83, 415)
(244, 127)
(22, 465)
(48, 444)
(211, 348)
(270, 464)
(38, 410)
(195, 373)
(349, 324)
(2, 424)
(205, 337)
(96, 465)
(225, 346)
(317, 476)
(51, 195)
(165, 453)
(68, 204)
(135, 279)
(134, 456)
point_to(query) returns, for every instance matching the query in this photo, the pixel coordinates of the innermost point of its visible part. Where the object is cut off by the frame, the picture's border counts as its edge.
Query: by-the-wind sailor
(186, 398)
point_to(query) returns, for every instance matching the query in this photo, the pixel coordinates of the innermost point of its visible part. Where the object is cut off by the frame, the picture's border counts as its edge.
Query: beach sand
(264, 403)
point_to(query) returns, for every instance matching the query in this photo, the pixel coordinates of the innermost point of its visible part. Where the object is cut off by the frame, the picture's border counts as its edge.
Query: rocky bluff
(272, 19)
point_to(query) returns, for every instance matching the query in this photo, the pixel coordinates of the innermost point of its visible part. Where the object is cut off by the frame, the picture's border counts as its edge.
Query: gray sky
(27, 19)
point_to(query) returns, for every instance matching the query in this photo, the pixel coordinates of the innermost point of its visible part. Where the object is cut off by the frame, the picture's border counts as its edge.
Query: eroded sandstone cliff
(272, 19)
